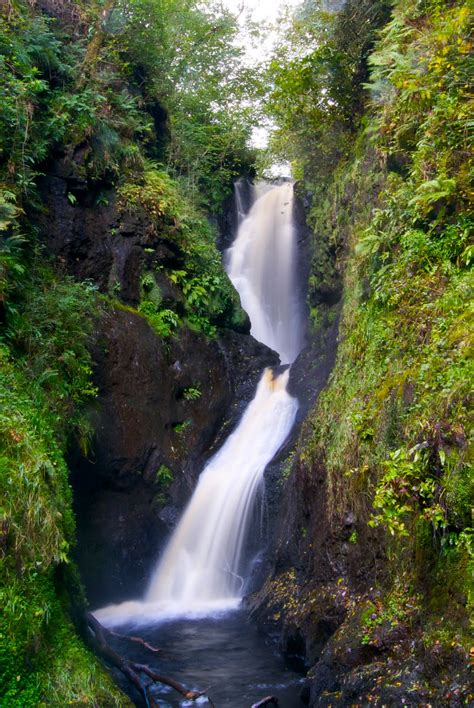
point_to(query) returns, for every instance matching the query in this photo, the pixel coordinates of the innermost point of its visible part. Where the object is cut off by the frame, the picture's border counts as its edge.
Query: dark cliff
(161, 402)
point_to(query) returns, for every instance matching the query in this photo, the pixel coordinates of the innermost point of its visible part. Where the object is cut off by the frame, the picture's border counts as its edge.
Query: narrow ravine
(203, 572)
(248, 423)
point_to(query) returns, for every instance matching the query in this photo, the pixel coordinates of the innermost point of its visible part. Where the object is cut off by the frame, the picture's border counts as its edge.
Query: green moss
(164, 476)
(45, 377)
(42, 660)
(392, 427)
(208, 297)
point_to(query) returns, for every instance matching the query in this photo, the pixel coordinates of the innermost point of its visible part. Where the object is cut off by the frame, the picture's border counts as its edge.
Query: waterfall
(262, 266)
(201, 569)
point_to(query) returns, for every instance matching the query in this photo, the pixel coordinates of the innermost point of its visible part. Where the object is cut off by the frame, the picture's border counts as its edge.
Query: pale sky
(261, 9)
(262, 12)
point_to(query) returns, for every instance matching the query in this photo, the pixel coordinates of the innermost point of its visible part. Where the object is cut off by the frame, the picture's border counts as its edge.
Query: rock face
(92, 240)
(228, 221)
(151, 440)
(164, 404)
(326, 591)
(315, 576)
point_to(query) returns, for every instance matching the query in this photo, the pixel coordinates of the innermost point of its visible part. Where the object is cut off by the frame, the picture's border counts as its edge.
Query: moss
(392, 427)
(42, 660)
(208, 298)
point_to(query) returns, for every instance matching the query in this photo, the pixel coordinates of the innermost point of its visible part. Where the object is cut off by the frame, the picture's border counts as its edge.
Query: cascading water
(200, 571)
(200, 567)
(262, 266)
(239, 199)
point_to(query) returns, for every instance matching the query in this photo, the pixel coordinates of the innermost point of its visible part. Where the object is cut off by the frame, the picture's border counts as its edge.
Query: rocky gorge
(127, 359)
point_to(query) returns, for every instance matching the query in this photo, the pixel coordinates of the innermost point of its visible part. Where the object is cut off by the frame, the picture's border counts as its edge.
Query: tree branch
(131, 669)
(268, 701)
(137, 640)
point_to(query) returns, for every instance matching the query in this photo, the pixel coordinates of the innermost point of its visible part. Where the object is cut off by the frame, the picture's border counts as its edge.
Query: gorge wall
(369, 585)
(150, 436)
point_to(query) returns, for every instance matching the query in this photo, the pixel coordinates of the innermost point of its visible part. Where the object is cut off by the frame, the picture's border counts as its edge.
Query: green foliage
(315, 79)
(158, 195)
(180, 428)
(40, 654)
(409, 485)
(392, 428)
(186, 54)
(49, 327)
(164, 475)
(45, 378)
(209, 298)
(398, 607)
(11, 241)
(99, 93)
(165, 322)
(192, 393)
(26, 47)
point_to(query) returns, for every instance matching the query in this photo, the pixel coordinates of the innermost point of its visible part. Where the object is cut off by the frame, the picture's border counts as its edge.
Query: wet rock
(164, 405)
(228, 220)
(145, 430)
(92, 239)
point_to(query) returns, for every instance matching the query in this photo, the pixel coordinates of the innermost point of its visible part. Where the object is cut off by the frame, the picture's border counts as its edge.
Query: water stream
(201, 567)
(262, 266)
(225, 654)
(202, 573)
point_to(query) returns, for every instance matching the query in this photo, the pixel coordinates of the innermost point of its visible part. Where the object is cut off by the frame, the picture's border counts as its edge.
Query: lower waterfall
(200, 567)
(200, 571)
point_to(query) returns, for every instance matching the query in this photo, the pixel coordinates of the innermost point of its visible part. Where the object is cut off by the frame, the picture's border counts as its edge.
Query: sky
(263, 12)
(261, 9)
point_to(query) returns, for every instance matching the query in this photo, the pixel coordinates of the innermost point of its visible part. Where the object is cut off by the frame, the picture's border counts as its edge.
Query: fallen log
(133, 670)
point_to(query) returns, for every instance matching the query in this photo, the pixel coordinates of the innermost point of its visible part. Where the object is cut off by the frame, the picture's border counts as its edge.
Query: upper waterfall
(262, 266)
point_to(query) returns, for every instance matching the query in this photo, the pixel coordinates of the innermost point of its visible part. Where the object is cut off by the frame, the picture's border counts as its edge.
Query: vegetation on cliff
(130, 106)
(131, 102)
(379, 125)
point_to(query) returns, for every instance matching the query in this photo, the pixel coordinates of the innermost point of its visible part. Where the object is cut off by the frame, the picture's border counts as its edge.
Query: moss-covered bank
(110, 162)
(373, 560)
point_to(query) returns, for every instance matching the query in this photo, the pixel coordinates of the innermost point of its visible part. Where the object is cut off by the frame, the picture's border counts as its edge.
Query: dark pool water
(226, 655)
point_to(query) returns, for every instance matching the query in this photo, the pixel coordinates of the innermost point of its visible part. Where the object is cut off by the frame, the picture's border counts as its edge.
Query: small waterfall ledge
(201, 571)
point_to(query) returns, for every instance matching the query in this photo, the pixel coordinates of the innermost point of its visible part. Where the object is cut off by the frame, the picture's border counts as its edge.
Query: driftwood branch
(131, 669)
(268, 701)
(137, 640)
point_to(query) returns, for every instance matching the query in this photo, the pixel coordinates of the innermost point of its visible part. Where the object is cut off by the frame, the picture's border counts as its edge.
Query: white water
(261, 264)
(239, 200)
(200, 570)
(202, 561)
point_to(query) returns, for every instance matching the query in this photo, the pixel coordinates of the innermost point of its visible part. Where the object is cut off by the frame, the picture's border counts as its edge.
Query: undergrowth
(45, 377)
(393, 425)
(209, 299)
